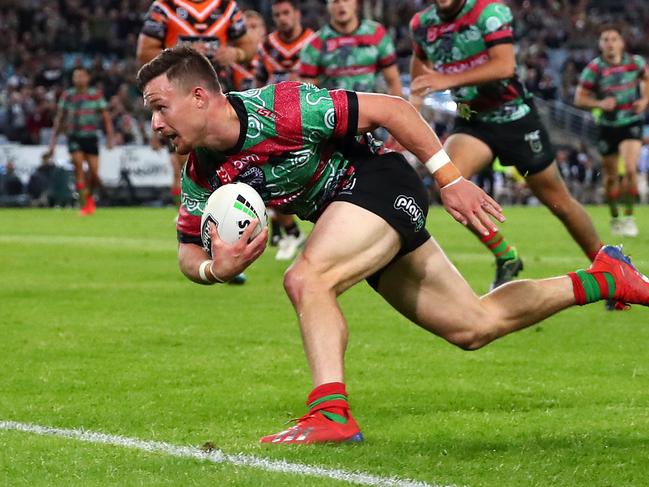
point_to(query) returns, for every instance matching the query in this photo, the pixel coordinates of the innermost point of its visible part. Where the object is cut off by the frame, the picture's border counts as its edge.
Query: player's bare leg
(326, 268)
(94, 182)
(77, 158)
(630, 153)
(471, 155)
(611, 181)
(549, 188)
(426, 288)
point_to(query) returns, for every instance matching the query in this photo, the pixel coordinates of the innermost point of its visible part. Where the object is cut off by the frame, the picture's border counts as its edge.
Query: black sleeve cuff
(188, 239)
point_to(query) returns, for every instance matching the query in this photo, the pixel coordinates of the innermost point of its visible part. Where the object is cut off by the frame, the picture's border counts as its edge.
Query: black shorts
(389, 187)
(523, 143)
(611, 137)
(87, 145)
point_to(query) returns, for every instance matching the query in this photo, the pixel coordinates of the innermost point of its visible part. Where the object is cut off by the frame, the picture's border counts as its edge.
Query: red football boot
(315, 427)
(90, 205)
(631, 287)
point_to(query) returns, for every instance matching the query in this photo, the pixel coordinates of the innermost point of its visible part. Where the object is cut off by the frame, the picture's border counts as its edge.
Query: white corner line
(215, 456)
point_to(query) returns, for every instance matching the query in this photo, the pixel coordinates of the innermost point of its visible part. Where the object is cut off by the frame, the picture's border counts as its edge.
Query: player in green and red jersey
(83, 110)
(349, 52)
(616, 83)
(467, 46)
(280, 50)
(296, 145)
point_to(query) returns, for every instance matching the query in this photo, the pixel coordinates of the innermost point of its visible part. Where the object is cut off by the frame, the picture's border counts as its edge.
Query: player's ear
(200, 96)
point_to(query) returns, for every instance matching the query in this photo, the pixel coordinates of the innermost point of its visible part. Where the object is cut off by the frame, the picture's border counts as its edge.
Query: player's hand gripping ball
(232, 207)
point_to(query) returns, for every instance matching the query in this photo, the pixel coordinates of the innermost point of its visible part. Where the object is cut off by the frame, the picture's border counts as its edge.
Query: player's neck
(291, 35)
(224, 127)
(448, 16)
(614, 58)
(346, 28)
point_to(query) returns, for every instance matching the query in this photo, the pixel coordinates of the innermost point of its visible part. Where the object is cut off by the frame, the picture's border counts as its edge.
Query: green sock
(498, 246)
(592, 286)
(611, 200)
(333, 408)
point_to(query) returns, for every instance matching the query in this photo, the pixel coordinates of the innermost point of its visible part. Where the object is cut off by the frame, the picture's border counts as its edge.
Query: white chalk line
(215, 456)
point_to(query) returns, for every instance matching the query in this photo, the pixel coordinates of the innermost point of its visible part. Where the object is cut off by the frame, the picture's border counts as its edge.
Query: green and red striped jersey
(83, 111)
(621, 81)
(289, 150)
(348, 61)
(462, 44)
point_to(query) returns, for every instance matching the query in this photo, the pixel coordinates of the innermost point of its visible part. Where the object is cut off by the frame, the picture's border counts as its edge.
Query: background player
(616, 83)
(244, 74)
(349, 52)
(280, 51)
(376, 202)
(469, 46)
(82, 109)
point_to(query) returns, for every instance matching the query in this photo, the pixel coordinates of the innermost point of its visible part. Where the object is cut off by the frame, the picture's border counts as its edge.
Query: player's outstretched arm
(501, 65)
(228, 260)
(467, 203)
(585, 98)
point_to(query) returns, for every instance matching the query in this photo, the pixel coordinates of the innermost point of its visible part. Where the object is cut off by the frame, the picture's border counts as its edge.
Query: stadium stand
(43, 40)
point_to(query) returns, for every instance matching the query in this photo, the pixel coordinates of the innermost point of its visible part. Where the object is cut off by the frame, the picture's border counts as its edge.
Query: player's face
(256, 28)
(175, 114)
(285, 17)
(342, 11)
(448, 7)
(80, 78)
(611, 43)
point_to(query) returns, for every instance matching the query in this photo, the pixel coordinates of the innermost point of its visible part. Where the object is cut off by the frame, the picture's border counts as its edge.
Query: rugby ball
(232, 207)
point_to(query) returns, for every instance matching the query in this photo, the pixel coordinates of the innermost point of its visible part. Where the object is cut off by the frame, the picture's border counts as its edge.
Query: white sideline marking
(215, 456)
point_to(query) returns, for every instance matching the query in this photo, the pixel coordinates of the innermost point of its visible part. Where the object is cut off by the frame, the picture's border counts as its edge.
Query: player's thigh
(93, 164)
(549, 187)
(468, 153)
(610, 166)
(348, 243)
(630, 152)
(426, 288)
(77, 158)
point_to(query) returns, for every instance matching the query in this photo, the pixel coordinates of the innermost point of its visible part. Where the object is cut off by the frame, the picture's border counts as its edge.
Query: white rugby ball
(232, 207)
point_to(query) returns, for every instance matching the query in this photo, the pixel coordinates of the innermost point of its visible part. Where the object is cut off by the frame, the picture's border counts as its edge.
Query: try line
(215, 456)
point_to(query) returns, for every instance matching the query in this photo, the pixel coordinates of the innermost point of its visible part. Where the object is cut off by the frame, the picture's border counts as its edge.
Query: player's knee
(300, 279)
(470, 339)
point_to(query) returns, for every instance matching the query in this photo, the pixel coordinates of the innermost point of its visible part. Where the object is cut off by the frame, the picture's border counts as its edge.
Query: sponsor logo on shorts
(408, 205)
(533, 138)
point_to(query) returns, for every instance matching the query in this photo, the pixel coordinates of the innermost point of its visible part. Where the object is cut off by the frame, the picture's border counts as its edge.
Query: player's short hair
(611, 26)
(292, 2)
(80, 67)
(183, 65)
(253, 13)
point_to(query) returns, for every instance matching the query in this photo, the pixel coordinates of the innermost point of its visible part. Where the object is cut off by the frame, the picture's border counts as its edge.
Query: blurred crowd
(43, 40)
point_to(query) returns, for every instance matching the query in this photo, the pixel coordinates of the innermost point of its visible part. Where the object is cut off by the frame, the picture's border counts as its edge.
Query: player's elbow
(507, 69)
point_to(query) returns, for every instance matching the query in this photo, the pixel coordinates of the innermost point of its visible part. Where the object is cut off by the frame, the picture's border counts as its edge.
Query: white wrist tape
(203, 275)
(455, 181)
(201, 270)
(437, 160)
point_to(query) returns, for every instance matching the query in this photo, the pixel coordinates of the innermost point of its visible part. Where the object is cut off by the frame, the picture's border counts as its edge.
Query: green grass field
(99, 330)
